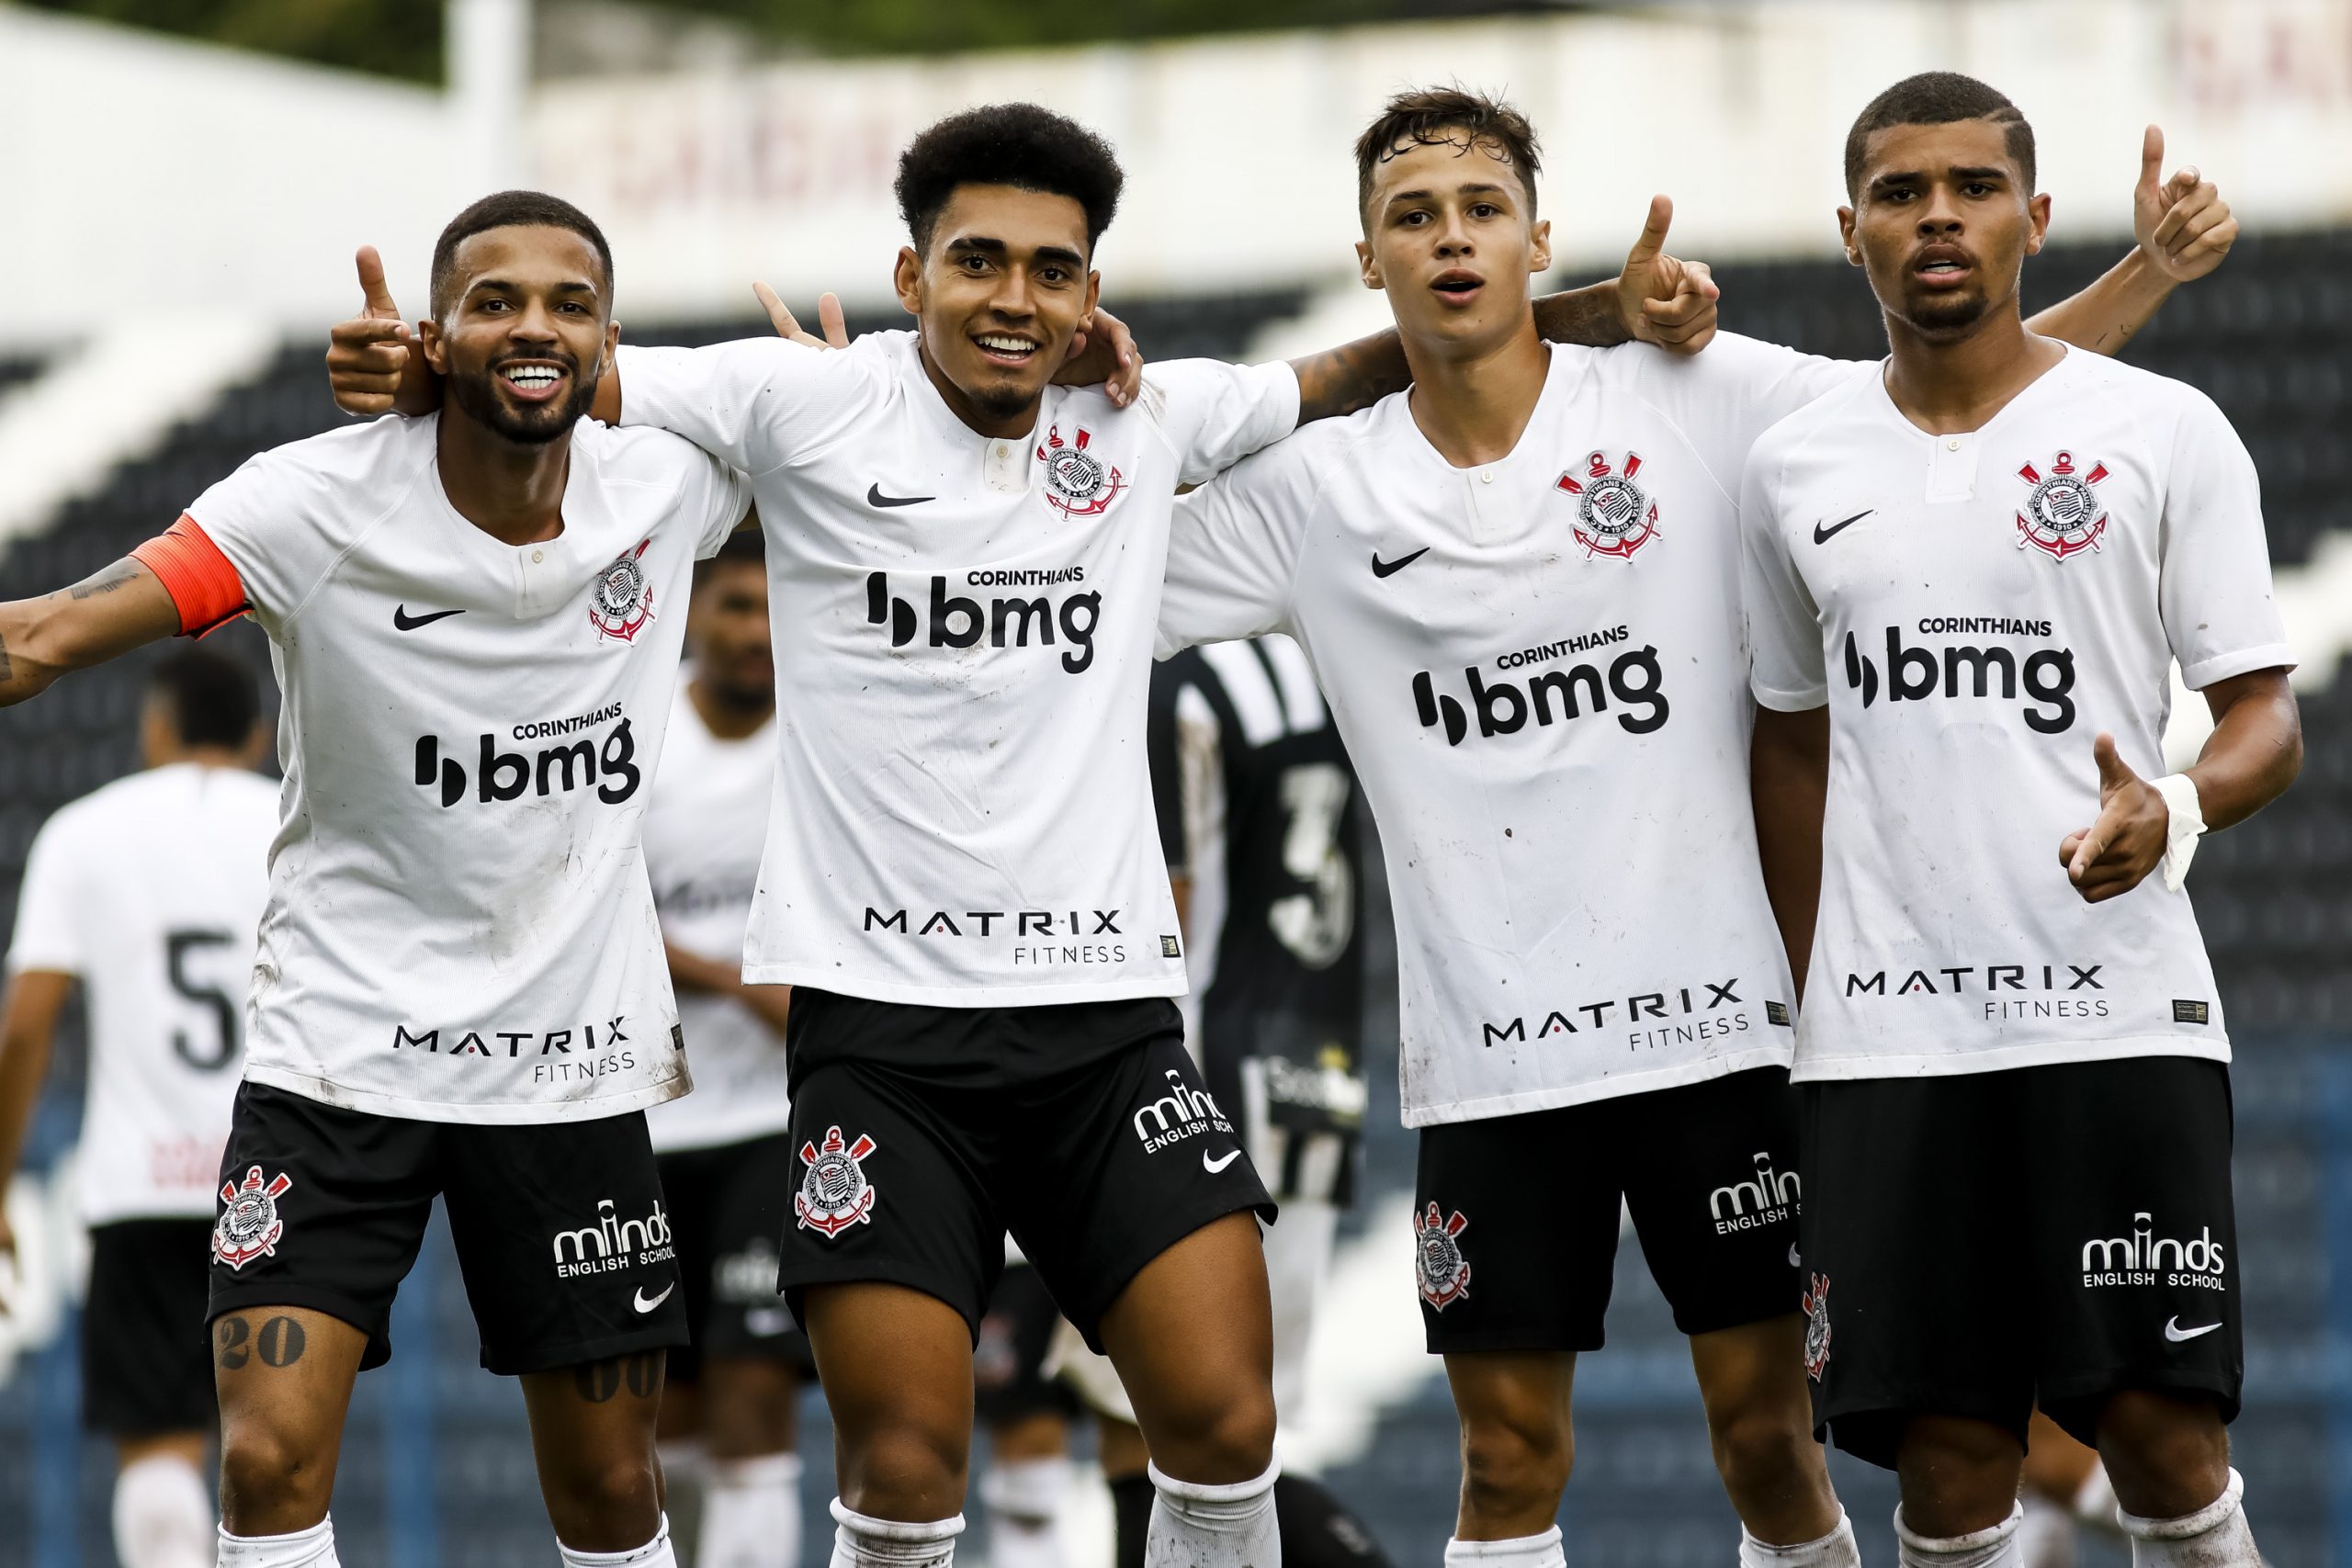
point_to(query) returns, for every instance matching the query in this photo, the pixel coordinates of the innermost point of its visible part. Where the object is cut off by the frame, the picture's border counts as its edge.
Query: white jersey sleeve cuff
(1785, 699)
(2221, 667)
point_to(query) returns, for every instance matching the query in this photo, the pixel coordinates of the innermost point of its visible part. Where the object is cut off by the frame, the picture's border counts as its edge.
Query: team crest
(1816, 1303)
(2062, 516)
(1437, 1259)
(623, 600)
(1077, 482)
(1614, 516)
(249, 1227)
(834, 1193)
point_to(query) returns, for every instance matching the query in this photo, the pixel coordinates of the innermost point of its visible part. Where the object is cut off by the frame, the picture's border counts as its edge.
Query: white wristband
(2187, 826)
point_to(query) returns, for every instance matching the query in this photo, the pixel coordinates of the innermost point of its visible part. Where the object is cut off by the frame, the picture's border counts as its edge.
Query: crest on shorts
(834, 1193)
(1077, 482)
(2061, 516)
(1443, 1273)
(1816, 1303)
(1615, 516)
(622, 601)
(249, 1227)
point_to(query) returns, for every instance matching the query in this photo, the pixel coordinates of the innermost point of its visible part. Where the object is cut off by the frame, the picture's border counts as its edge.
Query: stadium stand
(435, 1468)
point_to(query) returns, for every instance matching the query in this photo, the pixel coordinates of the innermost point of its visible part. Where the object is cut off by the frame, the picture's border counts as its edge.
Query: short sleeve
(1214, 414)
(1732, 392)
(1233, 547)
(1786, 667)
(728, 501)
(757, 403)
(2215, 593)
(285, 519)
(48, 936)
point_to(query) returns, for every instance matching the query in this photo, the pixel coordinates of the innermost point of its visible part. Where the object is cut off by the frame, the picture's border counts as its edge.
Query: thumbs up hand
(1664, 299)
(373, 357)
(2115, 853)
(2183, 225)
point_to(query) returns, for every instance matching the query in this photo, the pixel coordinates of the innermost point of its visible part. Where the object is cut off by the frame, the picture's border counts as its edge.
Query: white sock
(2046, 1534)
(1835, 1550)
(2215, 1536)
(751, 1513)
(162, 1515)
(1522, 1551)
(2094, 1500)
(313, 1548)
(1995, 1547)
(1194, 1526)
(654, 1554)
(1024, 1501)
(862, 1542)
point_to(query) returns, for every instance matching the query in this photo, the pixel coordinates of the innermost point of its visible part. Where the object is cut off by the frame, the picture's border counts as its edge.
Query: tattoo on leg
(116, 576)
(640, 1374)
(230, 1335)
(280, 1341)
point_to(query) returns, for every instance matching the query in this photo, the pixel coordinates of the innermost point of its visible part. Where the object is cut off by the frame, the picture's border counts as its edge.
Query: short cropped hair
(1937, 98)
(512, 209)
(1020, 145)
(210, 699)
(1428, 116)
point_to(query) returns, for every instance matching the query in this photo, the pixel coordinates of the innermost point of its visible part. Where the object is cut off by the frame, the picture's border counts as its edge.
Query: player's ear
(1541, 259)
(906, 277)
(2037, 212)
(1368, 265)
(1093, 290)
(435, 343)
(1846, 236)
(612, 341)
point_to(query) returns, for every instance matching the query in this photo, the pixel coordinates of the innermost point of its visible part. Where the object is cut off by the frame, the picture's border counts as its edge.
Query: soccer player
(148, 892)
(969, 902)
(1968, 575)
(1518, 587)
(726, 1163)
(459, 986)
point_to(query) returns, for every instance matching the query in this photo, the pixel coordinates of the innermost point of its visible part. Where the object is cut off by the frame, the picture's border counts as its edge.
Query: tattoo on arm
(1587, 316)
(1354, 375)
(120, 574)
(280, 1342)
(640, 1374)
(4, 661)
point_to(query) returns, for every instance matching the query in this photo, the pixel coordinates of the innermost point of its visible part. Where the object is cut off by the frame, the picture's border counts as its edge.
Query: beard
(475, 395)
(742, 694)
(1941, 313)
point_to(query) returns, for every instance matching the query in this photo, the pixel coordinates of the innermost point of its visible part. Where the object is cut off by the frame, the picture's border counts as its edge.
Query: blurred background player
(1027, 1411)
(1260, 821)
(148, 892)
(727, 1404)
(2065, 1489)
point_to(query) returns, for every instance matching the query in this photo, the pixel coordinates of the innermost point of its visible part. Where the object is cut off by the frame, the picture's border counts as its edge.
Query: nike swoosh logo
(1794, 1260)
(1213, 1165)
(873, 497)
(641, 1305)
(1391, 568)
(404, 622)
(1821, 536)
(2178, 1334)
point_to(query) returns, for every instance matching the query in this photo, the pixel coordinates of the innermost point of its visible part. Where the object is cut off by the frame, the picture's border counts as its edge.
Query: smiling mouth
(533, 382)
(1004, 348)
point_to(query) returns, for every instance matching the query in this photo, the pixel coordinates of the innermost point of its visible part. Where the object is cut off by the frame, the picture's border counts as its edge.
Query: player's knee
(271, 1484)
(2167, 1455)
(1513, 1462)
(1217, 1441)
(908, 1473)
(1763, 1449)
(601, 1499)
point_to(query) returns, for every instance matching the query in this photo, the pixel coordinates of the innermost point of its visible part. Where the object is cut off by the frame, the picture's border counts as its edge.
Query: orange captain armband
(202, 582)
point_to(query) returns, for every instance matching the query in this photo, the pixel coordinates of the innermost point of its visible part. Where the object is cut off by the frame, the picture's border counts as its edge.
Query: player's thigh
(284, 1375)
(1712, 1183)
(563, 1241)
(2135, 1279)
(1913, 1201)
(1193, 1339)
(1515, 1231)
(592, 1440)
(145, 1370)
(895, 1364)
(1122, 1159)
(1517, 1440)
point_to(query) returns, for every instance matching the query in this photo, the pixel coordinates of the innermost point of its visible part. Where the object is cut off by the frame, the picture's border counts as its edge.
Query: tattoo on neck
(116, 576)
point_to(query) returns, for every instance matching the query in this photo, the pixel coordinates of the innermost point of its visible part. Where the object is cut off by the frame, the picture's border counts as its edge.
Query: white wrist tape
(2187, 826)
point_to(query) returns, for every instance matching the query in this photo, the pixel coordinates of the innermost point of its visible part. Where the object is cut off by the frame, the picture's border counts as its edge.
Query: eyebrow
(1481, 187)
(999, 248)
(1912, 176)
(572, 286)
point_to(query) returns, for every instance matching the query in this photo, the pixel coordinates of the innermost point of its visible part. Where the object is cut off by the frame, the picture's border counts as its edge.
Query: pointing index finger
(2151, 155)
(1652, 237)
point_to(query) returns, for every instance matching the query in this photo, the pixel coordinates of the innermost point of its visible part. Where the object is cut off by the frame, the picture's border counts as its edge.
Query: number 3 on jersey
(1315, 926)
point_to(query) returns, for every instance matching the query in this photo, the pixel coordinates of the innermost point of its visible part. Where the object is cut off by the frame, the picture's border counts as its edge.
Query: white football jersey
(459, 927)
(963, 632)
(1536, 667)
(149, 892)
(1974, 609)
(704, 829)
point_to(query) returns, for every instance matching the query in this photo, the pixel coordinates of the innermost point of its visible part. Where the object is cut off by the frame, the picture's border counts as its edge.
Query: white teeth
(532, 377)
(1006, 345)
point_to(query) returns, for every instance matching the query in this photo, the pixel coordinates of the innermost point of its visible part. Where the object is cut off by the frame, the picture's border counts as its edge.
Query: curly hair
(1020, 145)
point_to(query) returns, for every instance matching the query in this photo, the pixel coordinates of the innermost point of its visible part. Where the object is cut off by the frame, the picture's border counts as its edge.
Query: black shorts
(146, 1367)
(1009, 1378)
(1978, 1243)
(1516, 1216)
(925, 1133)
(561, 1229)
(727, 1206)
